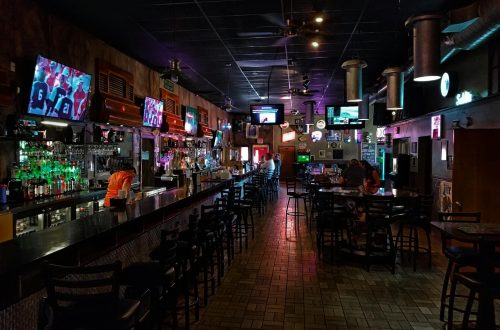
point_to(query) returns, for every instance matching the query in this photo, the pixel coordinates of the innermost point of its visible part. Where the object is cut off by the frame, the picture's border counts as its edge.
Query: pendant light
(395, 88)
(354, 79)
(364, 108)
(426, 46)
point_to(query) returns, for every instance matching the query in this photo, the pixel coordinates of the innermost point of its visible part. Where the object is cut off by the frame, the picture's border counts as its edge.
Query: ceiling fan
(302, 91)
(228, 102)
(289, 28)
(173, 71)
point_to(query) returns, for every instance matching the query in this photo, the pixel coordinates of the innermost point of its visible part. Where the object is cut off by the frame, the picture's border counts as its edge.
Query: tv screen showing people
(342, 117)
(267, 114)
(58, 91)
(153, 112)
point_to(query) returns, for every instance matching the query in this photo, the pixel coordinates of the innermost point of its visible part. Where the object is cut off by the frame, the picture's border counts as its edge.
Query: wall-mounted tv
(190, 116)
(58, 91)
(217, 141)
(303, 158)
(267, 114)
(343, 117)
(153, 112)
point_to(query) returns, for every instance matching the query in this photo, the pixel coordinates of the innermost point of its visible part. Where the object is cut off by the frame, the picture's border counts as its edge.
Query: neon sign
(463, 98)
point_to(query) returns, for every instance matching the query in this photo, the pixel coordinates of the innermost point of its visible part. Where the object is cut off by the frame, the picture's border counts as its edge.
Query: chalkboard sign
(369, 152)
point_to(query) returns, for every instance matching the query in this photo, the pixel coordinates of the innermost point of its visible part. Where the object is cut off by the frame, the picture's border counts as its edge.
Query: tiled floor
(279, 283)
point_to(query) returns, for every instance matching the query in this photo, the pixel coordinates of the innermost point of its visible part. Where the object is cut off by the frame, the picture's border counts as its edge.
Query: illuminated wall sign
(445, 84)
(285, 125)
(463, 98)
(289, 136)
(320, 124)
(436, 127)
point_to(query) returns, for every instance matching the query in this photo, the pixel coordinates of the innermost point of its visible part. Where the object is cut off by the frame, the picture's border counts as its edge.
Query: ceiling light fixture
(318, 19)
(426, 46)
(315, 44)
(287, 97)
(395, 88)
(354, 79)
(54, 123)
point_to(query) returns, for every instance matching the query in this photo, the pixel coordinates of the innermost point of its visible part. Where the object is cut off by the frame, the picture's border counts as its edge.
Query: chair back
(456, 217)
(378, 208)
(71, 284)
(291, 184)
(424, 207)
(323, 201)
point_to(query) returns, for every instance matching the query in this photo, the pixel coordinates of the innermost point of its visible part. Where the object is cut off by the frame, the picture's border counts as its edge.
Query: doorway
(287, 161)
(424, 172)
(259, 150)
(147, 162)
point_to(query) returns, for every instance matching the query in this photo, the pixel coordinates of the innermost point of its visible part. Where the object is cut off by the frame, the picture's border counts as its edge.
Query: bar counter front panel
(103, 237)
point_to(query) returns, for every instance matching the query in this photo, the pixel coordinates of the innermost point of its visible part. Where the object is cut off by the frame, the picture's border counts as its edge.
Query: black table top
(20, 252)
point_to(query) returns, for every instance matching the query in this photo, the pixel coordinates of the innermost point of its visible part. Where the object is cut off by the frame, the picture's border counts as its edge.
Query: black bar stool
(295, 196)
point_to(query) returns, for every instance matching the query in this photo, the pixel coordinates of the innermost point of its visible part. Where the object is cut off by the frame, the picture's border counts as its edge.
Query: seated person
(353, 175)
(371, 183)
(268, 166)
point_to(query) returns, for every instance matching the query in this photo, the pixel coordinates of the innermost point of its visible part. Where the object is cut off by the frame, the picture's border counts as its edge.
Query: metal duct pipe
(354, 79)
(476, 34)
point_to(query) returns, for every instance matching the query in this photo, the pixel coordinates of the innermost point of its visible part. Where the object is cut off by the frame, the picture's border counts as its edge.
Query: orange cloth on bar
(116, 181)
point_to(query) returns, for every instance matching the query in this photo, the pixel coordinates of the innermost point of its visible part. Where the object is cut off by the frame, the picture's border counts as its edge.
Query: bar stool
(458, 256)
(412, 221)
(295, 196)
(88, 297)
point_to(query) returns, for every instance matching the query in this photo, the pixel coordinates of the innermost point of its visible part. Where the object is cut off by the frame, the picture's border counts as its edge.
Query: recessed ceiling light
(318, 19)
(286, 97)
(263, 97)
(315, 44)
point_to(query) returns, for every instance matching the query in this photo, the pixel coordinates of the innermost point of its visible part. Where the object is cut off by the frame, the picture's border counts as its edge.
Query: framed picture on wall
(252, 131)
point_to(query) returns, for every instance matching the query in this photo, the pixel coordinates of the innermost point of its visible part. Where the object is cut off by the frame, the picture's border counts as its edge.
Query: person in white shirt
(268, 166)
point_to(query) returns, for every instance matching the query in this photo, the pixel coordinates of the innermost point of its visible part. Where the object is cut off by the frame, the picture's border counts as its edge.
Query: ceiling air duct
(426, 46)
(354, 79)
(395, 88)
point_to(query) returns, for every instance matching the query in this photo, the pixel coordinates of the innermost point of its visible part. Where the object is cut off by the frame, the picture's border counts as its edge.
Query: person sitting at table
(268, 167)
(277, 165)
(353, 175)
(371, 182)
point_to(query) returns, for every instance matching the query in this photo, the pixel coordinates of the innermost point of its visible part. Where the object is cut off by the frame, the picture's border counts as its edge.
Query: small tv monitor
(58, 91)
(339, 117)
(303, 158)
(267, 114)
(217, 139)
(190, 116)
(153, 112)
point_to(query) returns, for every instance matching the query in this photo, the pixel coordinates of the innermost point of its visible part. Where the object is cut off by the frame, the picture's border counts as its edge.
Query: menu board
(368, 152)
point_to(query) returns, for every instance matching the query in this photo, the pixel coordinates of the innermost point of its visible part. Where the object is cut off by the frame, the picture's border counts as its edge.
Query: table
(355, 192)
(487, 236)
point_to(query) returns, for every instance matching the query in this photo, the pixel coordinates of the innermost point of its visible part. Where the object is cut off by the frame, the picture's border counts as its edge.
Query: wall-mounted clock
(320, 124)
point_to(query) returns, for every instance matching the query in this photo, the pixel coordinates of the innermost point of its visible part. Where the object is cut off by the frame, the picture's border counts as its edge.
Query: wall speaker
(381, 116)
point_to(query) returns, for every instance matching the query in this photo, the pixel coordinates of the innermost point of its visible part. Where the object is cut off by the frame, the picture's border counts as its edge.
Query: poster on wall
(445, 197)
(436, 127)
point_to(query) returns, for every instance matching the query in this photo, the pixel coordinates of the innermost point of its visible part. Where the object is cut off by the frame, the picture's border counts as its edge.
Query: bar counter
(85, 240)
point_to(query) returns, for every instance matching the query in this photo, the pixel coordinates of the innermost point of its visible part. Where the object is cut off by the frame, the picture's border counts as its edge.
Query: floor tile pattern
(279, 283)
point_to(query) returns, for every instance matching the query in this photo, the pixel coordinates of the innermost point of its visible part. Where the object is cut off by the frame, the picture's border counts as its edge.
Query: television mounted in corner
(58, 91)
(339, 117)
(267, 114)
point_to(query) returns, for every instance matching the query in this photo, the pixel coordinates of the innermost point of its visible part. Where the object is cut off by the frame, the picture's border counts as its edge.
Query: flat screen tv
(217, 139)
(267, 114)
(303, 158)
(58, 91)
(153, 112)
(343, 117)
(190, 116)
